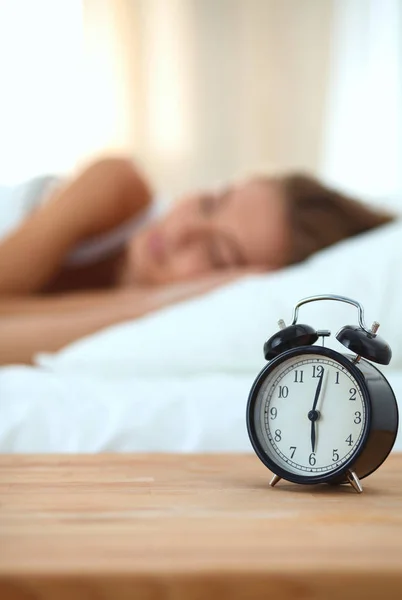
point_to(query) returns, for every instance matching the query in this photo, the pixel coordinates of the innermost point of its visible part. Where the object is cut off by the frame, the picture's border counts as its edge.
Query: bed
(178, 379)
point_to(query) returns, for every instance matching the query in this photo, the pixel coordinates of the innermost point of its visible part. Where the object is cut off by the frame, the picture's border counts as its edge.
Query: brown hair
(320, 216)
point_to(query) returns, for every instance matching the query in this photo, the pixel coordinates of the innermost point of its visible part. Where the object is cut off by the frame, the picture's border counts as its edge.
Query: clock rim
(330, 476)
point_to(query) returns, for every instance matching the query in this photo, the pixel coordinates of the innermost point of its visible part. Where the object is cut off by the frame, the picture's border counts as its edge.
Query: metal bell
(365, 344)
(290, 337)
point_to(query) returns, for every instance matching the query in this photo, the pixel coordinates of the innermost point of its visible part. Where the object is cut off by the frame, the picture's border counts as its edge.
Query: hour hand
(313, 415)
(312, 436)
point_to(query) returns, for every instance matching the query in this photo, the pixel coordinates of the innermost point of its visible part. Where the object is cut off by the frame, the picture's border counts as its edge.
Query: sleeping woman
(97, 252)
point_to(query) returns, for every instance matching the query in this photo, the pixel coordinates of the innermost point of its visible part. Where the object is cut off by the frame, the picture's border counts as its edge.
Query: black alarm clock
(315, 415)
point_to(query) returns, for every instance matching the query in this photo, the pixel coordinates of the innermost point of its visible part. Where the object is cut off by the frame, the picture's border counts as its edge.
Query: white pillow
(225, 330)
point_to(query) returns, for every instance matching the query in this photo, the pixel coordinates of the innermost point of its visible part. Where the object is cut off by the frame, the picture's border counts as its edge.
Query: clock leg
(274, 480)
(354, 481)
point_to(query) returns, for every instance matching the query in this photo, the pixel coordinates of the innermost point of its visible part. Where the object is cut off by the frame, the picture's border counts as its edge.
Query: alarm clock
(315, 415)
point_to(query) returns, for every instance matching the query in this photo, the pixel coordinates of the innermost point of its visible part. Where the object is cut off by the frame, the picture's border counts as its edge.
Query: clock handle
(338, 299)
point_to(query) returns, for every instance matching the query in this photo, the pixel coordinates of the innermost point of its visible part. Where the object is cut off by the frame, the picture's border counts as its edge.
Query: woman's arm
(46, 324)
(102, 197)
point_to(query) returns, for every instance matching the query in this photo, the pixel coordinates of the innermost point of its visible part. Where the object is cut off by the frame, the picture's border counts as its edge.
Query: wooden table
(184, 527)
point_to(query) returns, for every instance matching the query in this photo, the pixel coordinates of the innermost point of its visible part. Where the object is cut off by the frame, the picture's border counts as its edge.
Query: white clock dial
(311, 415)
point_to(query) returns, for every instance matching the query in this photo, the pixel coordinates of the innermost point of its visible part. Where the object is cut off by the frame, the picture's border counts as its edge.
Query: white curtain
(200, 90)
(197, 90)
(40, 81)
(362, 138)
(225, 86)
(221, 86)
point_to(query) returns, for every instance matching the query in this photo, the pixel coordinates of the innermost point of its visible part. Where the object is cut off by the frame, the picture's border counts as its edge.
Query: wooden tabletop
(184, 527)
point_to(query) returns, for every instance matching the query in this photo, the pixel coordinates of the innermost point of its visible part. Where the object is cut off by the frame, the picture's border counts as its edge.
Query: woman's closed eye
(208, 204)
(222, 253)
(215, 254)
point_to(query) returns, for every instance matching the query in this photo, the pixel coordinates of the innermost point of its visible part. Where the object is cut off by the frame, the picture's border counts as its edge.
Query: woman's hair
(320, 216)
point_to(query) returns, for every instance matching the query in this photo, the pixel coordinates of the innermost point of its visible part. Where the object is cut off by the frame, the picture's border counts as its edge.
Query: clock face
(309, 415)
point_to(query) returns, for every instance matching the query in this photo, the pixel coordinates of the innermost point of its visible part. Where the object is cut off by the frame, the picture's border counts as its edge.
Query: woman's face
(241, 226)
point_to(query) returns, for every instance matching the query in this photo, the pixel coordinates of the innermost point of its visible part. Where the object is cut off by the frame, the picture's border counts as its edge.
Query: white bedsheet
(54, 412)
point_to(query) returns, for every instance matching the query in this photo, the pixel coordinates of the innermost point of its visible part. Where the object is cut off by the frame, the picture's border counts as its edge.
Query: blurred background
(201, 90)
(197, 92)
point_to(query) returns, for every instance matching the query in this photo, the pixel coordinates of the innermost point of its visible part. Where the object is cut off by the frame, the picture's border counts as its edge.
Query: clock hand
(312, 436)
(313, 414)
(318, 390)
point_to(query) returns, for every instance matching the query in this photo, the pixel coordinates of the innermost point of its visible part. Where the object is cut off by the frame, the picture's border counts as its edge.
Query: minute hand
(318, 390)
